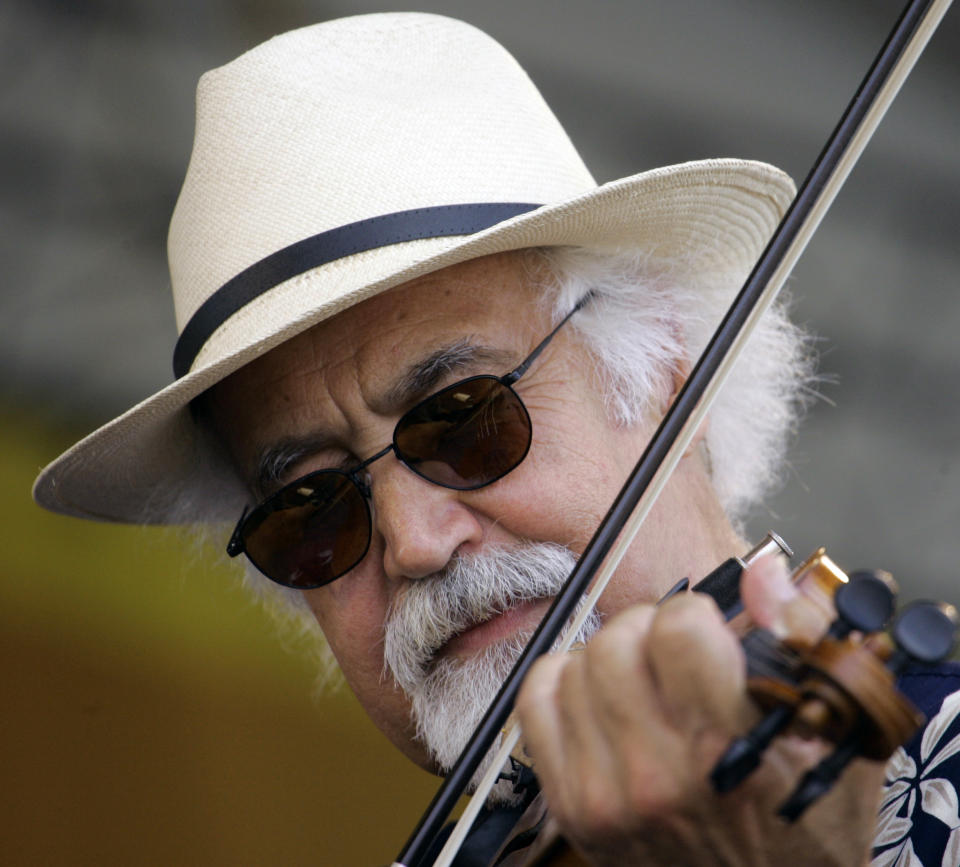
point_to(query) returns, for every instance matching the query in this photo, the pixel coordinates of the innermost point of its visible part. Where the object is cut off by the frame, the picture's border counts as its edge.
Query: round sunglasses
(465, 436)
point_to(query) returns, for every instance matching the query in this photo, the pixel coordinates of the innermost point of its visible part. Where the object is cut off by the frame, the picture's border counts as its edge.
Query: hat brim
(154, 460)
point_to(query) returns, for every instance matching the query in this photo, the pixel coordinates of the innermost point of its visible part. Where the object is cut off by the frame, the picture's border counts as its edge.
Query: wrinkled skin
(625, 732)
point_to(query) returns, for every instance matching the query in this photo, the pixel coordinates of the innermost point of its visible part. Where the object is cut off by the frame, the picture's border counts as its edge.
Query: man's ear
(681, 370)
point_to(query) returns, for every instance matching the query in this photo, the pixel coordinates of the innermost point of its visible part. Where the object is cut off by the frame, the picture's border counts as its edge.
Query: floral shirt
(919, 824)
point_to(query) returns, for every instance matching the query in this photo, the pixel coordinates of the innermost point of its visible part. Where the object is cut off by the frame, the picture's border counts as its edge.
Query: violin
(840, 689)
(672, 438)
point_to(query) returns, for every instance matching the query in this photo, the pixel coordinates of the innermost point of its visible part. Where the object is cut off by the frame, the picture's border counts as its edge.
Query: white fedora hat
(337, 161)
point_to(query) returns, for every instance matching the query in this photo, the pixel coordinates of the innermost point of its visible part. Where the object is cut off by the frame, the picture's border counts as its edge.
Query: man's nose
(422, 525)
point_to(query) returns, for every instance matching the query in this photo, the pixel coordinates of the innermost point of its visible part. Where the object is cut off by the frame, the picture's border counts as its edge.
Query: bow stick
(613, 537)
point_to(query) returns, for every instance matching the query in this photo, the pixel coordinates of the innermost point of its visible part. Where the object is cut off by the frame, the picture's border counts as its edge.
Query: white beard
(450, 695)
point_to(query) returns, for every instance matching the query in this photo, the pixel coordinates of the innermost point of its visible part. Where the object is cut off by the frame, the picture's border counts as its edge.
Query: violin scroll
(841, 689)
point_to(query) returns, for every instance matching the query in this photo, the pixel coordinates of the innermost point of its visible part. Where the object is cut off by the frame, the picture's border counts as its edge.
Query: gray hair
(649, 320)
(653, 317)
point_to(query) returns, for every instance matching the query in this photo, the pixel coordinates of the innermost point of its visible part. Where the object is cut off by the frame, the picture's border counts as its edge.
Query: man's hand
(625, 734)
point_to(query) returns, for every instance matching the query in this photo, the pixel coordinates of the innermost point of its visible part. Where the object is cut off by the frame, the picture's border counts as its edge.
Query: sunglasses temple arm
(521, 369)
(235, 545)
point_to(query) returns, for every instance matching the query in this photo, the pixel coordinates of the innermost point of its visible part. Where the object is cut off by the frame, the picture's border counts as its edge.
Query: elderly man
(420, 350)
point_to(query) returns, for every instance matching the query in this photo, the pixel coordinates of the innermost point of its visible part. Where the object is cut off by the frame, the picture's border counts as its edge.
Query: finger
(580, 700)
(697, 665)
(622, 686)
(536, 708)
(577, 710)
(766, 590)
(542, 729)
(649, 751)
(590, 760)
(776, 604)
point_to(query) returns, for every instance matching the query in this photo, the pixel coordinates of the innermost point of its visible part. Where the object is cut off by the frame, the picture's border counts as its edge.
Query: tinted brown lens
(467, 435)
(310, 533)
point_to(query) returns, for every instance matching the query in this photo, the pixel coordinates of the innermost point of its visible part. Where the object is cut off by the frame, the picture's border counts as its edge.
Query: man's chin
(453, 697)
(451, 688)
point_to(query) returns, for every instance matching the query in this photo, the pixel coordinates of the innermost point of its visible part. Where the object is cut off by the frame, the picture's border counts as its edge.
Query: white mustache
(470, 590)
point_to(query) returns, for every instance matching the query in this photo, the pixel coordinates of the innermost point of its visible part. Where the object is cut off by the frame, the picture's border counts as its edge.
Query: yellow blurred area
(150, 715)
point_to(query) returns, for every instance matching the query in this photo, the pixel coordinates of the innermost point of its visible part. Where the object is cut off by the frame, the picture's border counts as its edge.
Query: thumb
(775, 603)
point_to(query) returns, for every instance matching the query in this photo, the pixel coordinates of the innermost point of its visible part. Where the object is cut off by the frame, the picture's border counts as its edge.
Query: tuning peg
(818, 780)
(924, 632)
(865, 603)
(743, 755)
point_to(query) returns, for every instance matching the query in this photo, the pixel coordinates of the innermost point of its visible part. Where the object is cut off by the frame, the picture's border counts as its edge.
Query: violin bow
(907, 40)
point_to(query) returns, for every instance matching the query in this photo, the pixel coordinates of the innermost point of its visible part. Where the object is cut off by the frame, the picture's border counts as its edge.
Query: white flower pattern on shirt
(913, 794)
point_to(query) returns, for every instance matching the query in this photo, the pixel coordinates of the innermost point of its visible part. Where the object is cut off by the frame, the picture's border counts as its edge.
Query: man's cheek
(353, 629)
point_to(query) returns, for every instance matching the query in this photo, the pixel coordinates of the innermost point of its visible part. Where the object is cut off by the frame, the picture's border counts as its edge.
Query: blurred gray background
(96, 122)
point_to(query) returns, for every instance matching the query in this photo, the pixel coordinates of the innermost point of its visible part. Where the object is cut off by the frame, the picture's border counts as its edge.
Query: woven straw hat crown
(337, 161)
(352, 119)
